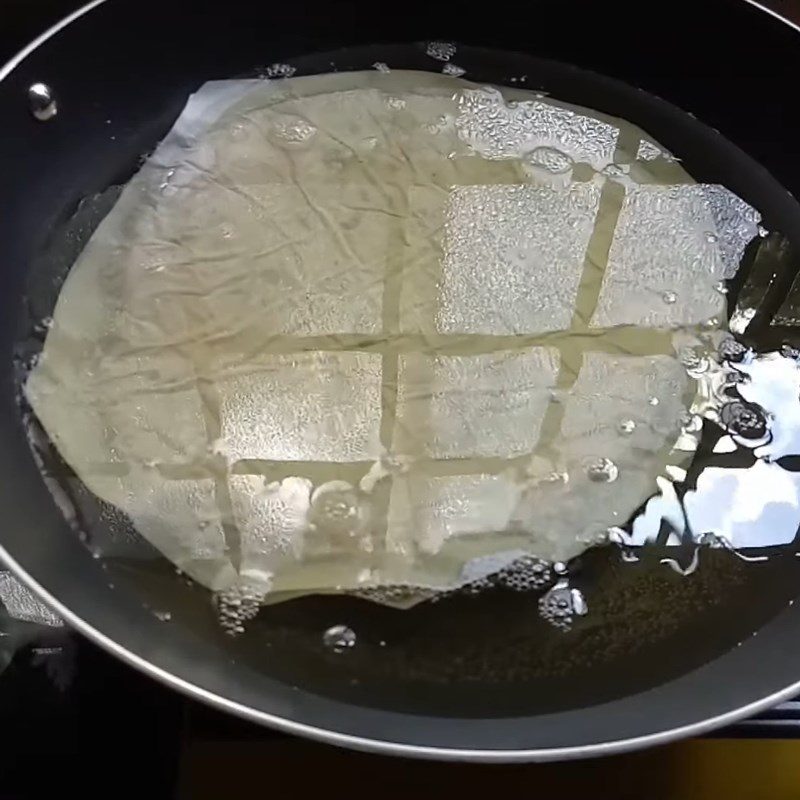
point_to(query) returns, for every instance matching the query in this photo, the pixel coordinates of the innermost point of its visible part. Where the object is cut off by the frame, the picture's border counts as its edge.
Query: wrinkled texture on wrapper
(353, 331)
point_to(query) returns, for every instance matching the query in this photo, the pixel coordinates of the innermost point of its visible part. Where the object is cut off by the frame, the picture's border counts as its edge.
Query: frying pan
(468, 678)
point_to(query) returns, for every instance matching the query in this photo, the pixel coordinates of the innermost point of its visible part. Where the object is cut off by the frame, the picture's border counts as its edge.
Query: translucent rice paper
(365, 330)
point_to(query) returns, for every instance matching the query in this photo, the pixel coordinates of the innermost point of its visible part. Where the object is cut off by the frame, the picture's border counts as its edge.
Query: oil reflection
(743, 492)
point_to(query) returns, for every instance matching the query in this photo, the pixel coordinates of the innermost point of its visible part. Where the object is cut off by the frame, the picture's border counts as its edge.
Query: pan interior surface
(452, 660)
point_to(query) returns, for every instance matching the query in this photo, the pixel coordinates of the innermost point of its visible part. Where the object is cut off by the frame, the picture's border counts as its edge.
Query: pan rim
(325, 735)
(10, 66)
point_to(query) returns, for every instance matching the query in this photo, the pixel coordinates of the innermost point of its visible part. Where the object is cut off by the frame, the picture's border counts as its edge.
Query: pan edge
(342, 739)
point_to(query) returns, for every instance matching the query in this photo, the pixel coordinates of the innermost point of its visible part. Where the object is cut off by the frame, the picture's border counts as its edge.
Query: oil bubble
(336, 507)
(602, 470)
(339, 638)
(279, 71)
(626, 426)
(453, 70)
(615, 170)
(549, 159)
(293, 131)
(42, 103)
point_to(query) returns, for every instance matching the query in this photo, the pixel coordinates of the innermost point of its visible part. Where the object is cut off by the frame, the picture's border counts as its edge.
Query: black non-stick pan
(473, 676)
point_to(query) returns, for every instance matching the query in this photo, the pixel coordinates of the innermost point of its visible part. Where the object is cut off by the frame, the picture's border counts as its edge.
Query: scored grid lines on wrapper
(431, 329)
(570, 345)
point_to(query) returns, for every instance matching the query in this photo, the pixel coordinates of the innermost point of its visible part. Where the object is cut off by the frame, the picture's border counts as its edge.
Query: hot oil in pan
(626, 618)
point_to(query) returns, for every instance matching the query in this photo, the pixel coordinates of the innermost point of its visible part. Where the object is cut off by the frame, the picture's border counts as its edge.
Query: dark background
(22, 20)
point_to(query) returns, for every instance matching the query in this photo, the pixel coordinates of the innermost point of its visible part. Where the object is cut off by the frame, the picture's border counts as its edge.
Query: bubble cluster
(626, 426)
(602, 470)
(549, 159)
(648, 151)
(237, 606)
(441, 51)
(787, 351)
(731, 350)
(561, 604)
(476, 587)
(744, 419)
(525, 574)
(495, 128)
(292, 130)
(279, 71)
(397, 595)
